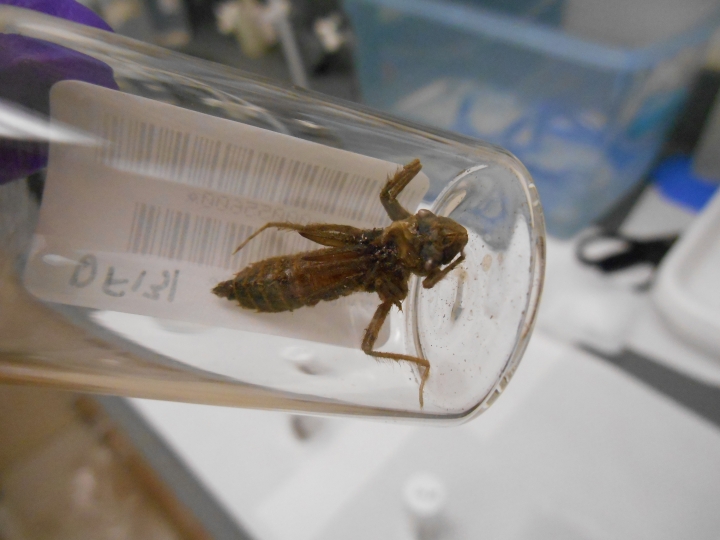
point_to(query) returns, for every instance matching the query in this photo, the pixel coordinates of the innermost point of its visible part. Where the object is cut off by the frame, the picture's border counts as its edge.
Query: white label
(146, 220)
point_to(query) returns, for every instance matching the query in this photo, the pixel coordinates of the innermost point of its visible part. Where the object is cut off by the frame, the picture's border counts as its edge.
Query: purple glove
(28, 69)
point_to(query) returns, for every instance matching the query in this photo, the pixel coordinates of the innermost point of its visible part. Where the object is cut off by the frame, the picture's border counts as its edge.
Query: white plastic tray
(687, 292)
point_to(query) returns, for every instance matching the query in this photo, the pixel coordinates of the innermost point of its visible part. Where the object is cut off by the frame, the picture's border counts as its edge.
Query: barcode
(207, 241)
(141, 147)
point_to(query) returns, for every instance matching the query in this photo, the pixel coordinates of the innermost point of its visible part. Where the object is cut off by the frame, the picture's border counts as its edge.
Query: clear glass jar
(129, 166)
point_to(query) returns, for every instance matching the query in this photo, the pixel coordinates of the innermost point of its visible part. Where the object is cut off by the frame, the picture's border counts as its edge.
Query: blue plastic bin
(587, 118)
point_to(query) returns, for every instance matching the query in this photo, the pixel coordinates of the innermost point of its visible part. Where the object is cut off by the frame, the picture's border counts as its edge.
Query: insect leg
(393, 188)
(391, 290)
(430, 281)
(331, 235)
(326, 235)
(371, 335)
(276, 224)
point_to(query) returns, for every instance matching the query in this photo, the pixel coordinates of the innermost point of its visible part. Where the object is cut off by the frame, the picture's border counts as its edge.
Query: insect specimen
(371, 260)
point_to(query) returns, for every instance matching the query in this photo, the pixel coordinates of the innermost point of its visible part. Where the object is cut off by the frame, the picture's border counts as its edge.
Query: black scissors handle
(629, 253)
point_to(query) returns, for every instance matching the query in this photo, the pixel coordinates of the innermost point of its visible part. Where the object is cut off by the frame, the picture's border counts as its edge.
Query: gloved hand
(30, 67)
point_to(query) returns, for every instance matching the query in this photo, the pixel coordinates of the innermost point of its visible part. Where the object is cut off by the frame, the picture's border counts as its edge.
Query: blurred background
(611, 428)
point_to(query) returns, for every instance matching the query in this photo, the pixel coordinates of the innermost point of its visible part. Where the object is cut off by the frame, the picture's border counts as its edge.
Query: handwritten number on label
(110, 281)
(138, 281)
(173, 287)
(155, 289)
(86, 272)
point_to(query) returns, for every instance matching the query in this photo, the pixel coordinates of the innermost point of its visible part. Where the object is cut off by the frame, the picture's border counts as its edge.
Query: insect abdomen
(284, 284)
(263, 286)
